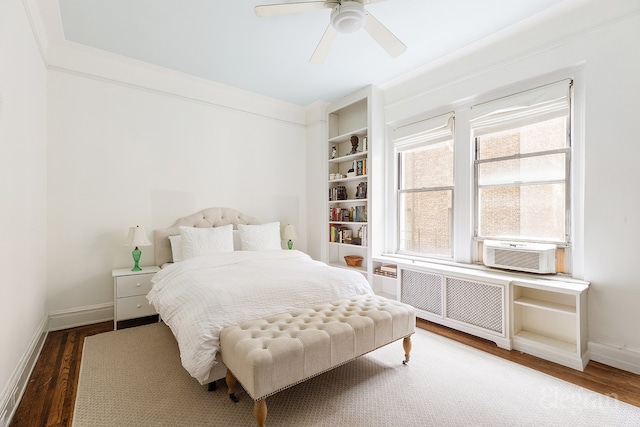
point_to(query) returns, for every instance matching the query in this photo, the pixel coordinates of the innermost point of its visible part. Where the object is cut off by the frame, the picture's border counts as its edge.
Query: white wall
(122, 155)
(23, 195)
(606, 64)
(316, 183)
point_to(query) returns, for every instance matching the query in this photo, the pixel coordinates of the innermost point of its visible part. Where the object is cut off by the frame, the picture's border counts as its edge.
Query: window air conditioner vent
(529, 257)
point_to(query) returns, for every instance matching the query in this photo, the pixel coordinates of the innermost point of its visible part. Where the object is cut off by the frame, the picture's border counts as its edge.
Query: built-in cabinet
(348, 196)
(538, 316)
(549, 320)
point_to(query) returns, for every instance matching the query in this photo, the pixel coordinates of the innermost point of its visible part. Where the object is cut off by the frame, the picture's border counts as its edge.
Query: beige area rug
(133, 377)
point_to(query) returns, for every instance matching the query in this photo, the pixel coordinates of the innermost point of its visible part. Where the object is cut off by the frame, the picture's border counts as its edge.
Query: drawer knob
(138, 285)
(139, 306)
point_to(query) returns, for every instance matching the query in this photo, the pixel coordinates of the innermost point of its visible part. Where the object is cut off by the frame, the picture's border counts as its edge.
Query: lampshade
(289, 232)
(137, 237)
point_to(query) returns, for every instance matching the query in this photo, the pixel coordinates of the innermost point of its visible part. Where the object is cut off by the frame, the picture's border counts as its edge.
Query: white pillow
(206, 241)
(176, 247)
(263, 237)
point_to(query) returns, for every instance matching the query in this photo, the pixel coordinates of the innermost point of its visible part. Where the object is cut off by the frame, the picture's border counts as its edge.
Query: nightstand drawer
(132, 307)
(127, 286)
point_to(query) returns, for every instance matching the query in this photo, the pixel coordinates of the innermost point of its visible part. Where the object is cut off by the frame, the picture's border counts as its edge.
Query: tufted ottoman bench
(272, 354)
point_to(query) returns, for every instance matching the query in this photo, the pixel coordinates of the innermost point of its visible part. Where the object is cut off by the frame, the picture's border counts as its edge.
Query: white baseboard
(80, 316)
(620, 358)
(17, 384)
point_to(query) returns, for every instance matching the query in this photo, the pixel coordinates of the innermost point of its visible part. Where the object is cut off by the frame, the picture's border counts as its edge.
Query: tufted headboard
(211, 217)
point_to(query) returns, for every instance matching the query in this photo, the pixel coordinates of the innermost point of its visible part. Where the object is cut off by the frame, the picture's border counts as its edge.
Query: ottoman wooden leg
(231, 383)
(406, 343)
(260, 412)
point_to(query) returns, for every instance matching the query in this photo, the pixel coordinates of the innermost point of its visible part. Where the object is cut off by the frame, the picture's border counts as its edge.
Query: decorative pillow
(263, 237)
(206, 241)
(176, 247)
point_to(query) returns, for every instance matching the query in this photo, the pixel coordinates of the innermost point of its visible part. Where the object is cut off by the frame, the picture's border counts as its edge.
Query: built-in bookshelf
(348, 181)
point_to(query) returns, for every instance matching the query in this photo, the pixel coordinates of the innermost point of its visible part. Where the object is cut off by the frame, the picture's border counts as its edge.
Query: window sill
(459, 267)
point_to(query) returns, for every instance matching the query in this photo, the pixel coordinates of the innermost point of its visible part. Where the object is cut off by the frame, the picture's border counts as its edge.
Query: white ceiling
(225, 42)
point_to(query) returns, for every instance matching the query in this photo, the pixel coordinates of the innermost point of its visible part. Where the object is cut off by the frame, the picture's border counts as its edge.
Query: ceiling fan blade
(286, 8)
(322, 50)
(384, 37)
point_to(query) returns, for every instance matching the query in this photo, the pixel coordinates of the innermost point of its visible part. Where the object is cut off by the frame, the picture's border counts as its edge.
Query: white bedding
(199, 297)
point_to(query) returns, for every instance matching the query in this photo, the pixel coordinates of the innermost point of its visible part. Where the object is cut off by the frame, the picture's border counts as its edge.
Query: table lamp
(289, 233)
(137, 237)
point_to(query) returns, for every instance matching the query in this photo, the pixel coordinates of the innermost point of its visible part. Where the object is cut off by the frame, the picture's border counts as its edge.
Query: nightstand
(129, 293)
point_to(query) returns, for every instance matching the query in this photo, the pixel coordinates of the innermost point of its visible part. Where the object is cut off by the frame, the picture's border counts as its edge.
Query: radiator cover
(454, 301)
(422, 290)
(475, 303)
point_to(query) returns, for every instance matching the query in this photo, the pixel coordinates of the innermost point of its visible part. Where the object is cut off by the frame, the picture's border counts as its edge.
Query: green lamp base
(290, 244)
(136, 258)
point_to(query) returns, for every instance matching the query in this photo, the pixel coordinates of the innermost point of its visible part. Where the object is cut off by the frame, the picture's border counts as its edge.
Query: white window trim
(550, 101)
(415, 135)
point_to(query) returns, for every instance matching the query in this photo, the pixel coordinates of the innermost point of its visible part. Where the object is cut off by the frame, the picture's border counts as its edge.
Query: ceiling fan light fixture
(348, 17)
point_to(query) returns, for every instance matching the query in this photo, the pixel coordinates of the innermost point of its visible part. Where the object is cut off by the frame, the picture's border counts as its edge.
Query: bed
(225, 269)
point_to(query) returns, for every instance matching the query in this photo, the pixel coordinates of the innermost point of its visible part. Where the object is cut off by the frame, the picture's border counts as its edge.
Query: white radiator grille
(520, 259)
(474, 303)
(422, 290)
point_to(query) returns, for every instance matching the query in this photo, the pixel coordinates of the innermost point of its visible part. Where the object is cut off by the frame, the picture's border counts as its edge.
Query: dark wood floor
(51, 392)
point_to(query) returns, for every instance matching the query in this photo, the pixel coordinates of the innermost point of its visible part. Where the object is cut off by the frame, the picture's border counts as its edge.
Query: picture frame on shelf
(361, 190)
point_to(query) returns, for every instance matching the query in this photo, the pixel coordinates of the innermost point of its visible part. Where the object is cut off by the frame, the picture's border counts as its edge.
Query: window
(522, 166)
(425, 159)
(507, 170)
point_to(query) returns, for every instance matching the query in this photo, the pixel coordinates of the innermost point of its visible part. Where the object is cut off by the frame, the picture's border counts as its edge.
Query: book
(389, 268)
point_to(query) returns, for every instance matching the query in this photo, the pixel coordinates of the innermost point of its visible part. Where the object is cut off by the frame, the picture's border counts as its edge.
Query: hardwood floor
(51, 392)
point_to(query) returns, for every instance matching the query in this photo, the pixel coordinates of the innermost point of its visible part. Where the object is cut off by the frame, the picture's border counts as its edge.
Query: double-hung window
(425, 182)
(522, 166)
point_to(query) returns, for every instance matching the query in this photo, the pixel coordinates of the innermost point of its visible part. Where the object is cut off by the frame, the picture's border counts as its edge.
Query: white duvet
(199, 297)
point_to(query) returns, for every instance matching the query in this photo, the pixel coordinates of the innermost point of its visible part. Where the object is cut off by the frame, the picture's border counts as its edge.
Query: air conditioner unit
(530, 257)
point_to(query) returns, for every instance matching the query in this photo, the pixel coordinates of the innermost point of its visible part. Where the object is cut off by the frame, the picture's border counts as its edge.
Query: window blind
(543, 103)
(423, 132)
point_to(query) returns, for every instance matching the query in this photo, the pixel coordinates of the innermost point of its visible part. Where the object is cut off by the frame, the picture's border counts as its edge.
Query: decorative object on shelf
(361, 190)
(334, 151)
(353, 260)
(354, 144)
(136, 237)
(289, 234)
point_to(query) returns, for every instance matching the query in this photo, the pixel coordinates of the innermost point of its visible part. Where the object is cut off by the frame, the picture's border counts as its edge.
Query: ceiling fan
(347, 16)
